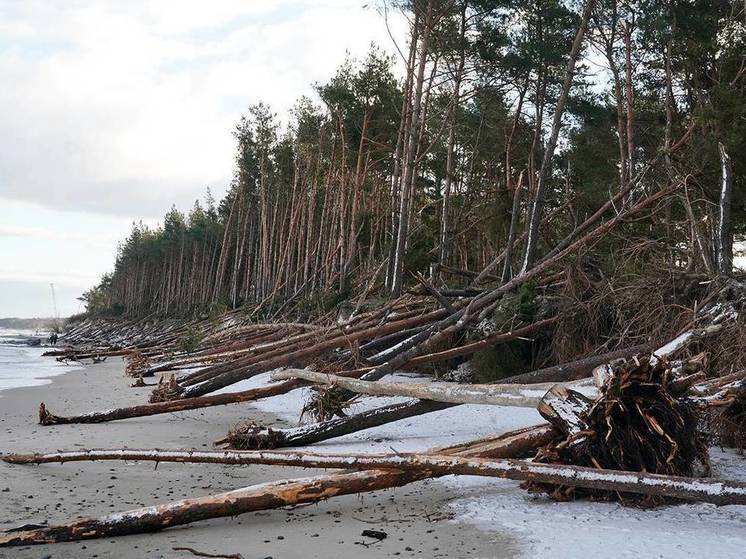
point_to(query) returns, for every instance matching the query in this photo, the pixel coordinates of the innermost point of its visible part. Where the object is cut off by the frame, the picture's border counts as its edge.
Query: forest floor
(451, 517)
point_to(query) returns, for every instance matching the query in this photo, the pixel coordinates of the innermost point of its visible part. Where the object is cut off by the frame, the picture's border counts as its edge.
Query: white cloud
(111, 111)
(127, 107)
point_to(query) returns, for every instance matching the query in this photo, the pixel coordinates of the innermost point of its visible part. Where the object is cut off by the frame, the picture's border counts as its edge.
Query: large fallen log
(250, 436)
(272, 495)
(198, 402)
(393, 470)
(520, 395)
(437, 332)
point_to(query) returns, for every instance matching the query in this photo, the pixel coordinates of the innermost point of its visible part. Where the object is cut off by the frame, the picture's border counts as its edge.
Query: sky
(112, 111)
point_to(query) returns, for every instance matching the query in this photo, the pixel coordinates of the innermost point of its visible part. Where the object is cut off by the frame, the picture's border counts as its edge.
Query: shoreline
(22, 366)
(416, 517)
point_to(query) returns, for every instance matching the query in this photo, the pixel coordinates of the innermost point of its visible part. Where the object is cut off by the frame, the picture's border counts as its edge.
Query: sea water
(23, 365)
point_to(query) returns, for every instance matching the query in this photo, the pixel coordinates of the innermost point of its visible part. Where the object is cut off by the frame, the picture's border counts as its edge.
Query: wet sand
(416, 517)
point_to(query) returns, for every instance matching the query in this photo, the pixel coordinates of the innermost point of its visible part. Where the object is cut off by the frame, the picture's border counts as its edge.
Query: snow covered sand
(559, 530)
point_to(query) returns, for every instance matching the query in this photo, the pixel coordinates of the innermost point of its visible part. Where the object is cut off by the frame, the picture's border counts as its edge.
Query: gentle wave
(22, 365)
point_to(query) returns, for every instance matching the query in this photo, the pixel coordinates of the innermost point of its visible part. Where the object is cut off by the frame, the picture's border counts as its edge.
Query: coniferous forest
(490, 136)
(526, 204)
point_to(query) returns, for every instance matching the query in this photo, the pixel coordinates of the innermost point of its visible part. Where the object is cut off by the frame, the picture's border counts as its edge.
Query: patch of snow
(547, 528)
(739, 254)
(586, 529)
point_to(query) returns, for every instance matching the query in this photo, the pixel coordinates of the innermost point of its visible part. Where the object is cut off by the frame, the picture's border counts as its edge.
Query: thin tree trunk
(725, 227)
(392, 471)
(411, 156)
(544, 172)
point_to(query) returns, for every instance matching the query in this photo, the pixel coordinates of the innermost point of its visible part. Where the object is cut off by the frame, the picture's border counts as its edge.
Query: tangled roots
(137, 363)
(639, 424)
(251, 436)
(166, 391)
(327, 402)
(728, 420)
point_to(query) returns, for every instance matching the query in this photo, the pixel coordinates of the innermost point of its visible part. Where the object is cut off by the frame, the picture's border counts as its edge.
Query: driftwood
(641, 423)
(169, 406)
(521, 395)
(392, 471)
(251, 436)
(719, 492)
(269, 495)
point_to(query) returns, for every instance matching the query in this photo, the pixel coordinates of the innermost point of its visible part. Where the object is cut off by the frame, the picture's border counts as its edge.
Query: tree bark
(399, 470)
(520, 395)
(332, 428)
(725, 226)
(538, 205)
(268, 495)
(411, 155)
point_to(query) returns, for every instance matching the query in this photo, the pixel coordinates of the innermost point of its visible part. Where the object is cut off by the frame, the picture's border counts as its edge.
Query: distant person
(53, 338)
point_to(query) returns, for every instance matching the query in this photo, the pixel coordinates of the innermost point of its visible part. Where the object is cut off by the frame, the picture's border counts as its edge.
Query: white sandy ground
(471, 517)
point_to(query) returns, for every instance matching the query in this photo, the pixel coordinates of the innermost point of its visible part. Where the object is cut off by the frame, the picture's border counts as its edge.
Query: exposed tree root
(640, 425)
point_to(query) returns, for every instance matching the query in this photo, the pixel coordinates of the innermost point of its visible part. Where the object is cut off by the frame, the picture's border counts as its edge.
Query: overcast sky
(111, 111)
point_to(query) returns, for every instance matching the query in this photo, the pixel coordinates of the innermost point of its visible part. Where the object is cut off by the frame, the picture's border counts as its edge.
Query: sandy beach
(415, 517)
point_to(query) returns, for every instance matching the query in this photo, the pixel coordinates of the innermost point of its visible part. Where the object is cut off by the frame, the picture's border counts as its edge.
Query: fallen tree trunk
(576, 370)
(251, 436)
(718, 492)
(168, 406)
(198, 402)
(521, 395)
(271, 495)
(399, 470)
(489, 341)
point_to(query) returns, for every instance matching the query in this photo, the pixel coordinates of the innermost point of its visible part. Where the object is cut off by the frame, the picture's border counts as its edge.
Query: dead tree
(724, 240)
(538, 205)
(390, 471)
(271, 495)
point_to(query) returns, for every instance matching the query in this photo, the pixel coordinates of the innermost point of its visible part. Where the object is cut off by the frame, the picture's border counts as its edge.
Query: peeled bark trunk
(521, 395)
(170, 406)
(718, 492)
(400, 470)
(264, 496)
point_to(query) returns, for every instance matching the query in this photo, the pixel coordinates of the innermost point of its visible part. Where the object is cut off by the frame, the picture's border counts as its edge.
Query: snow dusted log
(255, 437)
(683, 340)
(575, 370)
(390, 471)
(564, 409)
(522, 395)
(270, 495)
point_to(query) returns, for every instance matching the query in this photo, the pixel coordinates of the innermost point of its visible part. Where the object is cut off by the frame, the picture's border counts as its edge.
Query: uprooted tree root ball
(638, 424)
(137, 363)
(251, 436)
(327, 402)
(166, 390)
